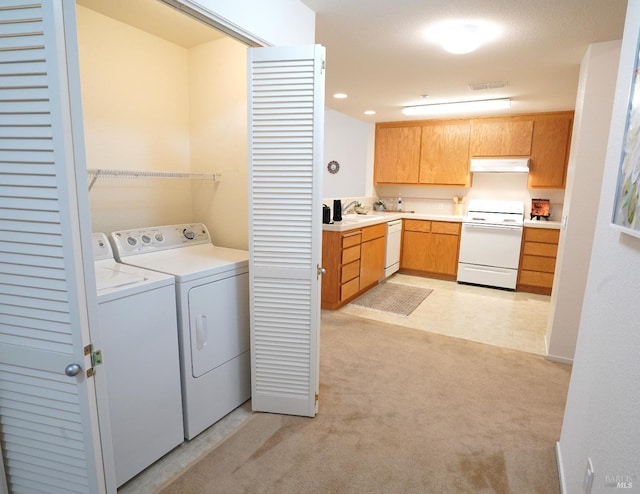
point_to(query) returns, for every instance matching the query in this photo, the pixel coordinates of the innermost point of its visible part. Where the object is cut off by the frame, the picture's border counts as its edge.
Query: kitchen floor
(515, 320)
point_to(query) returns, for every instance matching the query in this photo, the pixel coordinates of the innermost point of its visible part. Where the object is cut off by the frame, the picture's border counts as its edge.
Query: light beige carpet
(401, 411)
(393, 298)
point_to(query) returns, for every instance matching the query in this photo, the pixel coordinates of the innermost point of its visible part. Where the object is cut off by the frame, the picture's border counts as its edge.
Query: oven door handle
(492, 227)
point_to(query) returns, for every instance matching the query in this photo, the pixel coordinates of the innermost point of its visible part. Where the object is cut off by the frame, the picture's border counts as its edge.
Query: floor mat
(393, 298)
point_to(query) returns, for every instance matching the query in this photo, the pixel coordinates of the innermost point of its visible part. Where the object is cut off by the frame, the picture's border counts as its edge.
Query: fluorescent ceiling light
(458, 107)
(369, 112)
(461, 36)
(340, 96)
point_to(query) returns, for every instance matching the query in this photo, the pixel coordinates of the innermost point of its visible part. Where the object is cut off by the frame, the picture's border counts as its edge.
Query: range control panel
(152, 239)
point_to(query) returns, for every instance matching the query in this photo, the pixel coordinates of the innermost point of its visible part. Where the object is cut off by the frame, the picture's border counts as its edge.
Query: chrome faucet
(349, 205)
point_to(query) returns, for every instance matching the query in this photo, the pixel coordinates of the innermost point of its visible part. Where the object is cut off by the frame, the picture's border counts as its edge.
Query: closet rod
(95, 173)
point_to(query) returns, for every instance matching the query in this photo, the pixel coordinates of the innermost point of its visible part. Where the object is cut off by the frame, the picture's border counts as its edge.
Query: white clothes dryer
(139, 344)
(212, 293)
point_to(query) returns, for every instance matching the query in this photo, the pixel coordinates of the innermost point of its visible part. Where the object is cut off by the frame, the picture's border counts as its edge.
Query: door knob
(72, 370)
(321, 270)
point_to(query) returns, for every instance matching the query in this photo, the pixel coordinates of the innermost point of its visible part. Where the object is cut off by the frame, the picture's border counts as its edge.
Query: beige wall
(151, 105)
(218, 116)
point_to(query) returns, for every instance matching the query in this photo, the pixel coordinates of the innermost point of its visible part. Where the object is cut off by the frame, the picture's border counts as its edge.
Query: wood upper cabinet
(550, 150)
(397, 155)
(444, 153)
(509, 136)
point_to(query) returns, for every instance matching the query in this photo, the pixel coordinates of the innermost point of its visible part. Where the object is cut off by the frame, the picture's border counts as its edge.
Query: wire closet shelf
(96, 173)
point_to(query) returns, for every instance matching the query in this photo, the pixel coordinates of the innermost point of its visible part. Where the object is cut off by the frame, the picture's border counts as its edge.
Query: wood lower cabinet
(372, 255)
(353, 262)
(538, 260)
(430, 248)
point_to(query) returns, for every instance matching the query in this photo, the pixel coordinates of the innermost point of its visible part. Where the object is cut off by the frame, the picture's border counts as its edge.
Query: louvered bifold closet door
(47, 418)
(286, 124)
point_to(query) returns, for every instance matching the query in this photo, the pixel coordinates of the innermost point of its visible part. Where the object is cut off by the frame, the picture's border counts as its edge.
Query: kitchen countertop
(376, 217)
(554, 225)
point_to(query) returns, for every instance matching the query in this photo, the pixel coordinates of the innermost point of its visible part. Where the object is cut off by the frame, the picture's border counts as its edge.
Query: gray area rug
(393, 298)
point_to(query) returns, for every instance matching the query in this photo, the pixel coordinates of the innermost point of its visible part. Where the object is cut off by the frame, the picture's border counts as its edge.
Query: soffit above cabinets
(155, 18)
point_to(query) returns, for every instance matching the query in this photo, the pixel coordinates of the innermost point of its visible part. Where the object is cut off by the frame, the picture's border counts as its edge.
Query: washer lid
(115, 280)
(193, 262)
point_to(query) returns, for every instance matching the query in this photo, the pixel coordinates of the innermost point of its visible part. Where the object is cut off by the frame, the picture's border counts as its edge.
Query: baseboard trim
(563, 488)
(561, 360)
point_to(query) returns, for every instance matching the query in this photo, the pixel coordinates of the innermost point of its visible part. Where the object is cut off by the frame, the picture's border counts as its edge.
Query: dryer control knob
(146, 239)
(132, 240)
(189, 234)
(159, 237)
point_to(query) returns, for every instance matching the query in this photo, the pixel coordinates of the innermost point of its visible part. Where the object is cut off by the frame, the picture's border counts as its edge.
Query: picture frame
(626, 210)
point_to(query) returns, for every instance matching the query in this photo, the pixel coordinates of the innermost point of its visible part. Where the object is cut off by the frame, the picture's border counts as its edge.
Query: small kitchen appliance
(337, 210)
(326, 214)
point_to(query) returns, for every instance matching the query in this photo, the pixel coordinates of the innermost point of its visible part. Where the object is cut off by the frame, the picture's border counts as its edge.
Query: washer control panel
(151, 239)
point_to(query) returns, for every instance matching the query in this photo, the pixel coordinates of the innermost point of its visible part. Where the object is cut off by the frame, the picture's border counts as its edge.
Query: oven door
(490, 245)
(489, 255)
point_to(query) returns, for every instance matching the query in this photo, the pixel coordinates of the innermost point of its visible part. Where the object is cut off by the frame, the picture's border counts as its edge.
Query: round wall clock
(333, 167)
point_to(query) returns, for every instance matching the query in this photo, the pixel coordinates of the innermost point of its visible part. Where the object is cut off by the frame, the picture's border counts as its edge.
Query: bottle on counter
(399, 204)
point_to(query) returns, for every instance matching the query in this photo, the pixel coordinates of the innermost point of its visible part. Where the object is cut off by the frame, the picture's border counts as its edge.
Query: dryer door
(218, 322)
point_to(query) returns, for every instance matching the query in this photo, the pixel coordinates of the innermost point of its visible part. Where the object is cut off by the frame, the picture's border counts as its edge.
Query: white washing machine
(212, 293)
(139, 344)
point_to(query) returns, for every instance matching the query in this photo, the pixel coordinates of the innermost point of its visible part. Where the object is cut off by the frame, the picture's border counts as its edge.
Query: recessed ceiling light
(369, 112)
(340, 96)
(461, 36)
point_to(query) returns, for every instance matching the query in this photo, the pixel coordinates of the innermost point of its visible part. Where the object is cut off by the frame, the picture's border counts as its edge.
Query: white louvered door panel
(286, 126)
(48, 420)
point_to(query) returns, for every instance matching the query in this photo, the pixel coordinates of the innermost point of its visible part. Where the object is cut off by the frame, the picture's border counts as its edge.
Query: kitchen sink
(359, 217)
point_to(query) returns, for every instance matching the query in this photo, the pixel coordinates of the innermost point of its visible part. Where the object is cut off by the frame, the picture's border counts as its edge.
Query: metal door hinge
(317, 396)
(96, 358)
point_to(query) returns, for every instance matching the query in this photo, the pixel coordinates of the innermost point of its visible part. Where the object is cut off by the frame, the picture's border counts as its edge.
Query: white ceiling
(376, 52)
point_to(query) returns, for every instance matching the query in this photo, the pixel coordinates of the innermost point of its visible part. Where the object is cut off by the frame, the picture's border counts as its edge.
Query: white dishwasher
(392, 258)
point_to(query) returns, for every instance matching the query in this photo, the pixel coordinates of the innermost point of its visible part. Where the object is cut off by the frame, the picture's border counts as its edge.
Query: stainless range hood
(500, 165)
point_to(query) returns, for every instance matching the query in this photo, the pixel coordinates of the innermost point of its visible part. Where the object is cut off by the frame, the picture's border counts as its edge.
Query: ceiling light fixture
(369, 112)
(458, 107)
(461, 37)
(340, 96)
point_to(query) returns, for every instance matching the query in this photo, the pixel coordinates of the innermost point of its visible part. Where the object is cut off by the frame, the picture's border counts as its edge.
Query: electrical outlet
(587, 483)
(440, 205)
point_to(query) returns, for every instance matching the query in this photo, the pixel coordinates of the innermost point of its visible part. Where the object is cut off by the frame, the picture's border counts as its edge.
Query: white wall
(594, 103)
(218, 115)
(602, 413)
(347, 141)
(136, 117)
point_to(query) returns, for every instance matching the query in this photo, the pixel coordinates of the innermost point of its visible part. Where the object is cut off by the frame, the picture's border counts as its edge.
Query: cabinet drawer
(417, 225)
(549, 236)
(351, 239)
(535, 263)
(535, 278)
(351, 254)
(350, 271)
(375, 231)
(537, 249)
(349, 288)
(445, 227)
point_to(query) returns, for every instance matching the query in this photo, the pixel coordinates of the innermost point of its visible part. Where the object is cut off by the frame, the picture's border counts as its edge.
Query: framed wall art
(626, 211)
